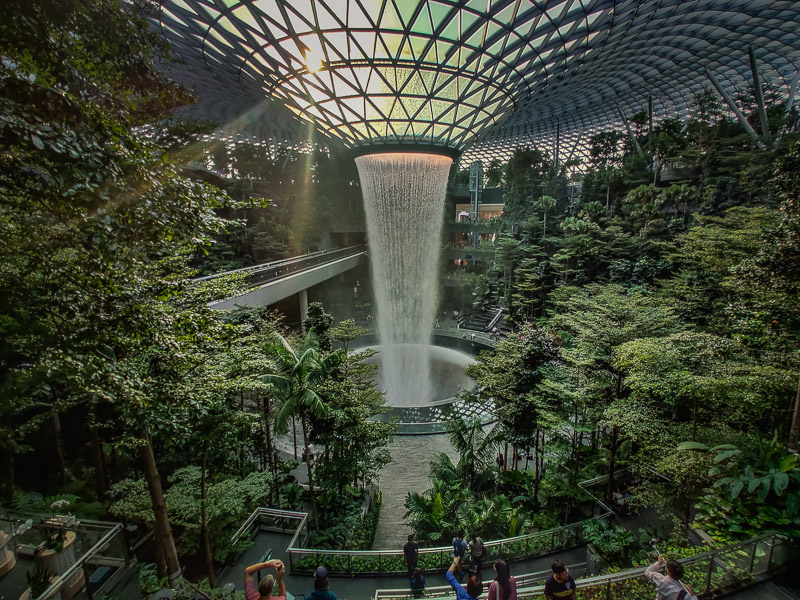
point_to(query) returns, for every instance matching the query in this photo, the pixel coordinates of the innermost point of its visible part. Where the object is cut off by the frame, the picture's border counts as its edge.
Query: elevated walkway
(272, 282)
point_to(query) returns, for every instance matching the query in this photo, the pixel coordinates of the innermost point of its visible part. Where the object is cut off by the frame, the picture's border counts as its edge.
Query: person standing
(459, 546)
(669, 585)
(267, 584)
(504, 586)
(321, 585)
(417, 584)
(477, 550)
(474, 586)
(560, 585)
(411, 554)
(501, 462)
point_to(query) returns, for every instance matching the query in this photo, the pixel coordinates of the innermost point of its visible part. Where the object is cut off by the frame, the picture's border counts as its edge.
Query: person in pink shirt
(267, 584)
(504, 587)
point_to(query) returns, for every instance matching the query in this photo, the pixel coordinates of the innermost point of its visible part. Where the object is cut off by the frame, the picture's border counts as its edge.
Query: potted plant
(57, 554)
(7, 558)
(39, 580)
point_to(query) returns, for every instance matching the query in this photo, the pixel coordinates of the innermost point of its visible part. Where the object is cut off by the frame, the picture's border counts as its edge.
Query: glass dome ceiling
(481, 76)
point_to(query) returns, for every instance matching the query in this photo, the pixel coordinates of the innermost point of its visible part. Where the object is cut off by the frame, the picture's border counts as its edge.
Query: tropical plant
(297, 373)
(755, 489)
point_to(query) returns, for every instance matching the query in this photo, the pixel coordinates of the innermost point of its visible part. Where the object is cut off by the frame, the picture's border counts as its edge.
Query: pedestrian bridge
(272, 282)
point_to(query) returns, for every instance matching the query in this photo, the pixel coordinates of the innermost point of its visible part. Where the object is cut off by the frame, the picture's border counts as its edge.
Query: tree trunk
(505, 457)
(537, 473)
(9, 487)
(794, 432)
(694, 419)
(160, 511)
(294, 435)
(100, 476)
(204, 540)
(64, 473)
(161, 564)
(612, 461)
(311, 494)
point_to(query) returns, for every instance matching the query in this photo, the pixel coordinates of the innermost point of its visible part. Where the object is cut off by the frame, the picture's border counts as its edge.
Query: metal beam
(630, 131)
(792, 93)
(790, 101)
(762, 109)
(732, 105)
(650, 119)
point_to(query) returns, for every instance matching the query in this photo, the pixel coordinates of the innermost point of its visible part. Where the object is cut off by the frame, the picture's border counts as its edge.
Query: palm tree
(294, 382)
(474, 446)
(545, 204)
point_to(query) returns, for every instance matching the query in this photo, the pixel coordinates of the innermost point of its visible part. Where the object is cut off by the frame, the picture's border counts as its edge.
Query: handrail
(80, 562)
(712, 557)
(390, 561)
(286, 262)
(447, 590)
(612, 586)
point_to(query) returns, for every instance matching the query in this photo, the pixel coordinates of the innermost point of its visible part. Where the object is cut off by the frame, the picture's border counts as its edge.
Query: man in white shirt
(669, 585)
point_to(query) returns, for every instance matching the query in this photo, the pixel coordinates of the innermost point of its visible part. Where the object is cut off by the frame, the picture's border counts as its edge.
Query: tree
(355, 441)
(294, 383)
(475, 448)
(319, 322)
(596, 321)
(545, 204)
(98, 223)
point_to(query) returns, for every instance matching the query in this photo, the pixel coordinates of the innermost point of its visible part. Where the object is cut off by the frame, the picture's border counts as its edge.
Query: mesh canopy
(481, 76)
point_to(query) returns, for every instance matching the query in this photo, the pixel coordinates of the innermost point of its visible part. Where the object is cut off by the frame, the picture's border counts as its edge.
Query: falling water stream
(404, 201)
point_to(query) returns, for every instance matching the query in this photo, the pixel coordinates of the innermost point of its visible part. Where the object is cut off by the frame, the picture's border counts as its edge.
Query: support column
(630, 131)
(650, 119)
(303, 296)
(762, 109)
(732, 105)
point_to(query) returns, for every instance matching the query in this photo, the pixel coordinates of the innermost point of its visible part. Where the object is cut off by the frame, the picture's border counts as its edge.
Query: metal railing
(446, 591)
(390, 562)
(709, 574)
(99, 548)
(263, 273)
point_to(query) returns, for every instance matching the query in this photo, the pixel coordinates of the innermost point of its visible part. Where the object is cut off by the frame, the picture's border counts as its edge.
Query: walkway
(363, 588)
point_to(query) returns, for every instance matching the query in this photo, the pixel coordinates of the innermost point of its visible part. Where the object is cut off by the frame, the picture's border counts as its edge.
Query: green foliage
(364, 535)
(229, 501)
(611, 541)
(755, 489)
(38, 580)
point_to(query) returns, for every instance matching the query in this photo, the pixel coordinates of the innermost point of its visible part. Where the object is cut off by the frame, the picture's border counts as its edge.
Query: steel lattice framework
(481, 76)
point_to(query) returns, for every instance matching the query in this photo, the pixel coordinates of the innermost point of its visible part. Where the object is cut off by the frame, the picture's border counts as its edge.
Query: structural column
(303, 296)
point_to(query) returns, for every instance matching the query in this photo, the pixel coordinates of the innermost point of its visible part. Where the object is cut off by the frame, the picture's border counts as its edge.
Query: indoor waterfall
(404, 201)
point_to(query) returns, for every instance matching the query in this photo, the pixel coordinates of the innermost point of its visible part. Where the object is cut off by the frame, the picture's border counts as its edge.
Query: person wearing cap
(267, 584)
(321, 583)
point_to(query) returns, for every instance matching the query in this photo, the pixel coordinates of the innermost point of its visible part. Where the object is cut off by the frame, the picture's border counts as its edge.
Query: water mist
(404, 201)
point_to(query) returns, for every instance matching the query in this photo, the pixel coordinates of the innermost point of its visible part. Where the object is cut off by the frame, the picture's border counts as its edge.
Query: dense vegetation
(655, 324)
(656, 321)
(120, 390)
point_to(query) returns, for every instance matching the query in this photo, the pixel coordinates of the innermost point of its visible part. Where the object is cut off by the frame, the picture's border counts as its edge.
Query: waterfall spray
(404, 202)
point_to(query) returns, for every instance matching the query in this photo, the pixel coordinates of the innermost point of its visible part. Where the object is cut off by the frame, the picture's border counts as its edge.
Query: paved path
(408, 472)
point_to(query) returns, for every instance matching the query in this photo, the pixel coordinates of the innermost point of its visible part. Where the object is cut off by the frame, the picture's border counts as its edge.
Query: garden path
(408, 472)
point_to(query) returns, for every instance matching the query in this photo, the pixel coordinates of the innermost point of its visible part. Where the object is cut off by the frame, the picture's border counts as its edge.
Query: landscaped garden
(653, 349)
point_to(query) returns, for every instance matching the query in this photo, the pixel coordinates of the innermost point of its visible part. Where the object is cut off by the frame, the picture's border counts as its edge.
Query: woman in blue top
(474, 586)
